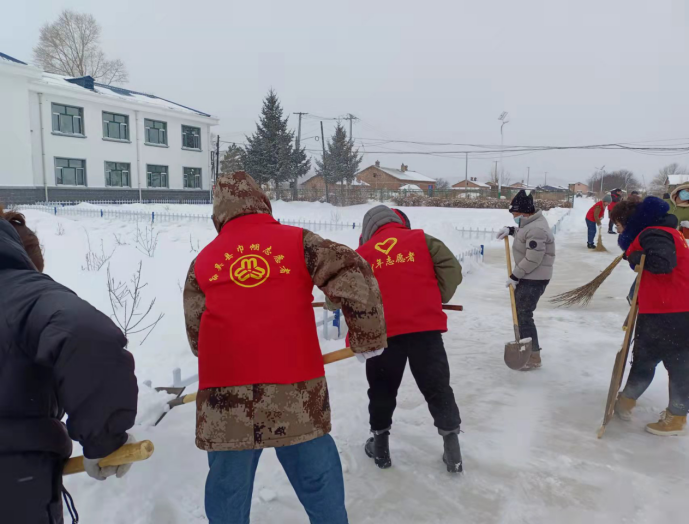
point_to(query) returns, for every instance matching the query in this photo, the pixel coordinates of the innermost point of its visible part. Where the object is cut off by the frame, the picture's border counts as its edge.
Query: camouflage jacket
(258, 416)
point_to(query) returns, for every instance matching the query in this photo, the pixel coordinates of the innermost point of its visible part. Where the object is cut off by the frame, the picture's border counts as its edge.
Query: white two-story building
(73, 139)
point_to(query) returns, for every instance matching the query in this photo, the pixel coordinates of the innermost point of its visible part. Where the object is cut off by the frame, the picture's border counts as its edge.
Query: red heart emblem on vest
(386, 246)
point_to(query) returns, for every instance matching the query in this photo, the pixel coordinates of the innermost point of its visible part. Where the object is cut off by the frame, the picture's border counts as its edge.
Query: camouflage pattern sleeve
(448, 270)
(194, 306)
(347, 281)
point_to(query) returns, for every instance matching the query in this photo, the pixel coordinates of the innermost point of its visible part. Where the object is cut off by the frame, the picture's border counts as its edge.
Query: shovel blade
(517, 353)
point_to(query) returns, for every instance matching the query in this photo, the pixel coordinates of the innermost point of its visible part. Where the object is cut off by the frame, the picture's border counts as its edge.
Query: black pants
(30, 488)
(428, 364)
(527, 295)
(661, 338)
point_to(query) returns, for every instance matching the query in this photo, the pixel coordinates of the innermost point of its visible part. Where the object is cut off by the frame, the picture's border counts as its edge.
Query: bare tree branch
(70, 46)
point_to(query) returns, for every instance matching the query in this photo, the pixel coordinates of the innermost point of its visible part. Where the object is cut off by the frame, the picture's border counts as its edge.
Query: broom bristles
(583, 295)
(599, 246)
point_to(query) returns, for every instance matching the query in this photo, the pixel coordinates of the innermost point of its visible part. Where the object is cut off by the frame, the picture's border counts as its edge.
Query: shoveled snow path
(529, 442)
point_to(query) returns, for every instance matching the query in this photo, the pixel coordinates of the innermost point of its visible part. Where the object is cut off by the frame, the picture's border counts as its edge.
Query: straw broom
(583, 295)
(599, 246)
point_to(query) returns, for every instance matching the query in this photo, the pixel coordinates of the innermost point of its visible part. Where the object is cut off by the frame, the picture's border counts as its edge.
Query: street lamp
(504, 119)
(602, 176)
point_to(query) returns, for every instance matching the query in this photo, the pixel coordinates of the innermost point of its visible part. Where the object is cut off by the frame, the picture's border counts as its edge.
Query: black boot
(591, 246)
(378, 448)
(452, 456)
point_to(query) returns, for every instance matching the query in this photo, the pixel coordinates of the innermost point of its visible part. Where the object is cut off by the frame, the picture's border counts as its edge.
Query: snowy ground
(529, 442)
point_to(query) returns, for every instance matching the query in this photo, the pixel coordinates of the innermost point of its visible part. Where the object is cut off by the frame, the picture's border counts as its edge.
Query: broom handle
(125, 455)
(447, 307)
(513, 301)
(328, 358)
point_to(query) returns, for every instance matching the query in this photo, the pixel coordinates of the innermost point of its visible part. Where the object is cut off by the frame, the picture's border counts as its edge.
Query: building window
(115, 126)
(156, 176)
(70, 172)
(117, 174)
(191, 137)
(156, 132)
(68, 120)
(192, 178)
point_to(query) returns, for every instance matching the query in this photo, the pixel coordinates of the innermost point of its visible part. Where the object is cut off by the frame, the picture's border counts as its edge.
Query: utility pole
(602, 177)
(325, 169)
(545, 183)
(466, 175)
(498, 178)
(217, 163)
(351, 118)
(528, 174)
(503, 118)
(294, 189)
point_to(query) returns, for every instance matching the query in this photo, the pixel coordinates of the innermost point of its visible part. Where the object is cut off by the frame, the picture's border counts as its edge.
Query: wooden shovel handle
(125, 455)
(515, 321)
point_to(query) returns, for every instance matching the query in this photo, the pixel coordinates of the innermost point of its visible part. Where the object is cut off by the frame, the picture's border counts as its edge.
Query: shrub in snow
(146, 240)
(95, 261)
(420, 200)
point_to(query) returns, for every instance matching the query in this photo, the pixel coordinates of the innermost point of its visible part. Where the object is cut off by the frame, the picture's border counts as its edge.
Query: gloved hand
(95, 471)
(505, 232)
(363, 357)
(684, 223)
(512, 281)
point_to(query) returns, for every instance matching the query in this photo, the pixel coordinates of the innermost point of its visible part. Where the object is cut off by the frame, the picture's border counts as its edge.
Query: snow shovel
(328, 358)
(125, 455)
(517, 353)
(623, 353)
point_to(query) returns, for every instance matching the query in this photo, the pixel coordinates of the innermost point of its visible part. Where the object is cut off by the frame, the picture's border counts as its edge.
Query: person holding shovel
(417, 274)
(679, 206)
(534, 257)
(249, 319)
(646, 228)
(594, 219)
(58, 355)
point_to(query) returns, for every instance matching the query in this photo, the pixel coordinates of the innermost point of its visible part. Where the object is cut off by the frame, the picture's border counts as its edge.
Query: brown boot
(668, 425)
(624, 406)
(534, 362)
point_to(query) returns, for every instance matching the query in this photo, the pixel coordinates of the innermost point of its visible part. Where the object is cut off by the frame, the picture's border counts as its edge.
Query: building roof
(121, 93)
(477, 184)
(9, 58)
(675, 180)
(409, 176)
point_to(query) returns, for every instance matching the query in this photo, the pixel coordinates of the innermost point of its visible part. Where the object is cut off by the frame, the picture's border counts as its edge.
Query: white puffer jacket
(534, 249)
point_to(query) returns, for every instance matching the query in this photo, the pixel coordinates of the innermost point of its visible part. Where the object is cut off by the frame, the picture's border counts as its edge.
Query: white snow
(530, 449)
(410, 187)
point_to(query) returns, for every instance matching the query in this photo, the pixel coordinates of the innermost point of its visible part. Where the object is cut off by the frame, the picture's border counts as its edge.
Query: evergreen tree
(232, 159)
(269, 152)
(342, 160)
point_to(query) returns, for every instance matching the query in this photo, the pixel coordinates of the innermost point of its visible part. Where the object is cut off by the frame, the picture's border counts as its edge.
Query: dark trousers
(527, 295)
(661, 338)
(428, 363)
(592, 230)
(610, 226)
(30, 488)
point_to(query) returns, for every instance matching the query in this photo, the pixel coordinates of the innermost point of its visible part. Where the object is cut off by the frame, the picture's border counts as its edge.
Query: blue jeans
(593, 229)
(313, 469)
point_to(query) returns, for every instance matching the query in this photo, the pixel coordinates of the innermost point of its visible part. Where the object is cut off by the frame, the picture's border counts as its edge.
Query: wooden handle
(448, 307)
(318, 304)
(125, 455)
(515, 322)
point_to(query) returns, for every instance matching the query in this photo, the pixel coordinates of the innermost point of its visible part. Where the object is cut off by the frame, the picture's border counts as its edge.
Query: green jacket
(682, 213)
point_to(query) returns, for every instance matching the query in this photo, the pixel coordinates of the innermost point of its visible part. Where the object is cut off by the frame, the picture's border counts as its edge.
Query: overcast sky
(567, 71)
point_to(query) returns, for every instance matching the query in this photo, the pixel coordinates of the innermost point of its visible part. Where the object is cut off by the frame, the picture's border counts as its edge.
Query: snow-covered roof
(120, 93)
(476, 185)
(675, 180)
(8, 58)
(410, 187)
(410, 176)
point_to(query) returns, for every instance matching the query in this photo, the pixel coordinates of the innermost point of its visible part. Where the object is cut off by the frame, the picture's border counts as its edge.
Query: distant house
(579, 187)
(470, 185)
(388, 178)
(676, 180)
(317, 182)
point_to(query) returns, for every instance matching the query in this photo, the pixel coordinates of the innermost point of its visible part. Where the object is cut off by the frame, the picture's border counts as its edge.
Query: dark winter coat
(58, 354)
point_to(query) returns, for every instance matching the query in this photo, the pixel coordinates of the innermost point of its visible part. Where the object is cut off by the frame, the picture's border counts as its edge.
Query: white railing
(475, 254)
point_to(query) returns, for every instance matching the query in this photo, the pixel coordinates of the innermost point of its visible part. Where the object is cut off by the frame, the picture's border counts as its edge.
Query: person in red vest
(646, 228)
(416, 274)
(594, 218)
(249, 319)
(615, 197)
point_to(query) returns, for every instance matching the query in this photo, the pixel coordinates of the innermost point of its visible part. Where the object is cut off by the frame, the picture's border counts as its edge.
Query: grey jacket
(534, 249)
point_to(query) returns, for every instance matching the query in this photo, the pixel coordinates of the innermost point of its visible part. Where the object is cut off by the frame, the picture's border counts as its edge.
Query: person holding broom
(616, 197)
(249, 319)
(594, 219)
(58, 355)
(534, 258)
(646, 228)
(417, 274)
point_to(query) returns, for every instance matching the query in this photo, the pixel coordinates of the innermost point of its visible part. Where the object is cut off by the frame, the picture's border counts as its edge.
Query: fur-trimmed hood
(652, 211)
(236, 195)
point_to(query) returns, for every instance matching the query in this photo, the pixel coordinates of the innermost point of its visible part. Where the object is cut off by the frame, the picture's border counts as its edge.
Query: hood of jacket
(652, 211)
(12, 253)
(674, 196)
(376, 218)
(237, 195)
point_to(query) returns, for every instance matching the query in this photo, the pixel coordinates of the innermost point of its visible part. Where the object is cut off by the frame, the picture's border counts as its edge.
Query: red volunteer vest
(589, 215)
(404, 269)
(665, 293)
(258, 326)
(611, 205)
